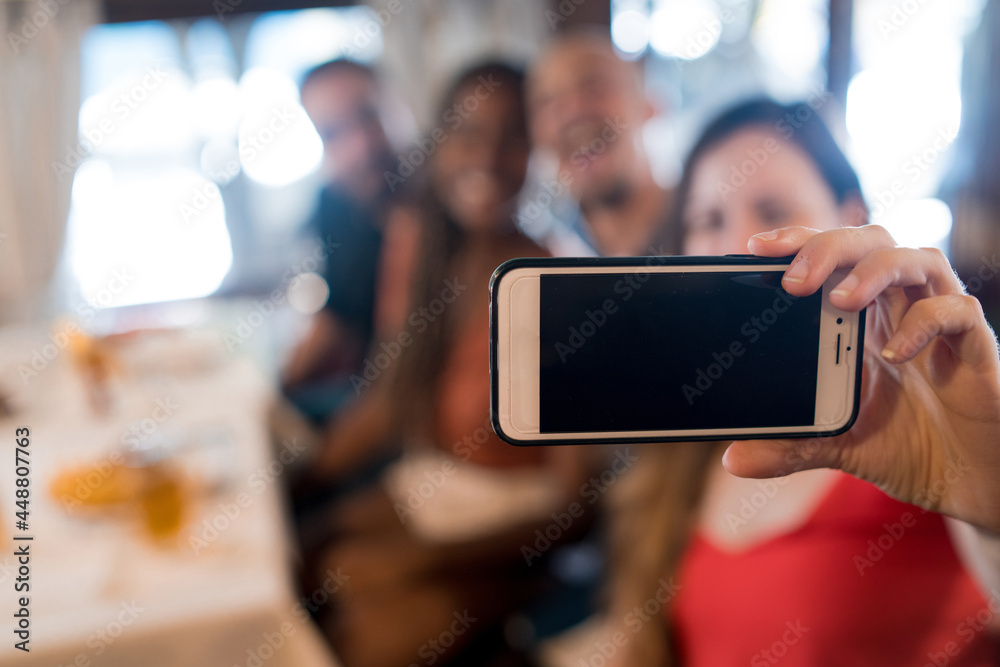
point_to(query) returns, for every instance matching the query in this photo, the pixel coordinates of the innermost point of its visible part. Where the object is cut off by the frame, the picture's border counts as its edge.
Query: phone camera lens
(840, 320)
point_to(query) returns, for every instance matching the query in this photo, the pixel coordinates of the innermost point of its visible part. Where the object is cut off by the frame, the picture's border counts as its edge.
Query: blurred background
(125, 156)
(158, 174)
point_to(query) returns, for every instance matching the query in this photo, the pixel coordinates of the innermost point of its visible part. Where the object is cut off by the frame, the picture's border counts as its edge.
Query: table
(102, 592)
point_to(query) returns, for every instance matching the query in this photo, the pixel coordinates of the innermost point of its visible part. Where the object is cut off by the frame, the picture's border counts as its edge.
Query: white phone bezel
(518, 304)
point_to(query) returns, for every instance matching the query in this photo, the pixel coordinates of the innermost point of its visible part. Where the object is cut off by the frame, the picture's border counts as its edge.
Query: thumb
(777, 458)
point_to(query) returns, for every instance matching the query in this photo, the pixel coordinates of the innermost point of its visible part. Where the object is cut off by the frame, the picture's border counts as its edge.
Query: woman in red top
(743, 563)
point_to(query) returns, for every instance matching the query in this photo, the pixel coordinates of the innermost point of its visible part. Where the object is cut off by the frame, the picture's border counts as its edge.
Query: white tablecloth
(102, 593)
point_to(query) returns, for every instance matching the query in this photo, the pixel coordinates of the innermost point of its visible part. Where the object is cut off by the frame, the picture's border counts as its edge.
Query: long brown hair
(655, 509)
(443, 241)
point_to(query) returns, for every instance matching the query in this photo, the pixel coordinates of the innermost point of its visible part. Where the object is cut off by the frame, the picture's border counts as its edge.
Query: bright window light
(791, 35)
(217, 107)
(146, 111)
(685, 29)
(168, 123)
(630, 32)
(294, 41)
(902, 124)
(918, 223)
(144, 238)
(904, 109)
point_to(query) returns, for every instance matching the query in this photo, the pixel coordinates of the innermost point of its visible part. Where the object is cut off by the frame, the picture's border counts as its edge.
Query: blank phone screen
(664, 351)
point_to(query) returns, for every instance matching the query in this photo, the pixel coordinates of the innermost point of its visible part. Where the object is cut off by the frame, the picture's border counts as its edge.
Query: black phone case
(738, 261)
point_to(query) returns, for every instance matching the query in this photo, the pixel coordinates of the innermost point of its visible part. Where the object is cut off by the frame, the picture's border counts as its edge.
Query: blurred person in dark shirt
(343, 100)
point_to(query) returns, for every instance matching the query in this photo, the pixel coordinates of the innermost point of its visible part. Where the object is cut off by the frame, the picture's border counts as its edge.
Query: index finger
(818, 254)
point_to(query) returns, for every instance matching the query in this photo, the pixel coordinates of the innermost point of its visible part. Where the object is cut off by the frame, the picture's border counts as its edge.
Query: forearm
(363, 430)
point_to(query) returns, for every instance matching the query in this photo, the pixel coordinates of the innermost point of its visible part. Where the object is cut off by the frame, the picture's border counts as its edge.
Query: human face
(343, 106)
(479, 168)
(734, 196)
(588, 108)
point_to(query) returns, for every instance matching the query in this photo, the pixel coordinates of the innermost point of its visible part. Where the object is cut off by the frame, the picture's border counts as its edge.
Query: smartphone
(605, 350)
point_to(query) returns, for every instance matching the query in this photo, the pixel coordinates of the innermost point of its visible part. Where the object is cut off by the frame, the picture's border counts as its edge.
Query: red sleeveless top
(866, 581)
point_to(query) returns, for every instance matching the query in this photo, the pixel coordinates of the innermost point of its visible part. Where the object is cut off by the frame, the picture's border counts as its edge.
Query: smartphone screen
(662, 351)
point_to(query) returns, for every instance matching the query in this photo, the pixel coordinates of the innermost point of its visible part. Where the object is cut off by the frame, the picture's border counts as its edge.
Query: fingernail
(846, 286)
(766, 236)
(889, 355)
(798, 271)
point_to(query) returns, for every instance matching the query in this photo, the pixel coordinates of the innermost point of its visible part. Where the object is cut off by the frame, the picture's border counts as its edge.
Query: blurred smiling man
(588, 108)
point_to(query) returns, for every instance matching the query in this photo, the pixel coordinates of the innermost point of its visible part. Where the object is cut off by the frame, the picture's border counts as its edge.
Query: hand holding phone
(667, 348)
(929, 419)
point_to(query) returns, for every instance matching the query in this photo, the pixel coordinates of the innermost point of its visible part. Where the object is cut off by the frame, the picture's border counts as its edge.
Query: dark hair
(508, 76)
(798, 123)
(443, 240)
(336, 66)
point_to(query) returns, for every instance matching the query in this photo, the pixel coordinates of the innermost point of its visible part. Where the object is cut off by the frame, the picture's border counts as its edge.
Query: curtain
(39, 147)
